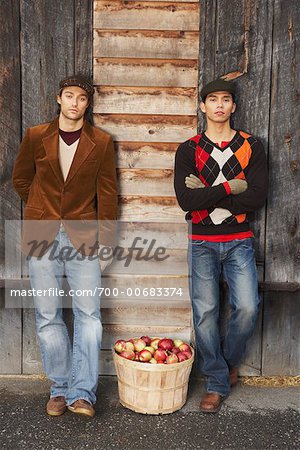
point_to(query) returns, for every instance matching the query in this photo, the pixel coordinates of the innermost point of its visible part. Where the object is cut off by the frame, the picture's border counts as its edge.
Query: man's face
(73, 102)
(218, 106)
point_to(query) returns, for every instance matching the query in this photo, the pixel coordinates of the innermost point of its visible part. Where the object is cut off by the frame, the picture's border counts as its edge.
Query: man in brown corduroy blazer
(65, 173)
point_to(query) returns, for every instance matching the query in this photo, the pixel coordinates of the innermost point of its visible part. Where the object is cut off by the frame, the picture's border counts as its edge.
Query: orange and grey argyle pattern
(217, 165)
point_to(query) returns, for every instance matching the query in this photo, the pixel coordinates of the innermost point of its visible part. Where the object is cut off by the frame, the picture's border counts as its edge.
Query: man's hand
(193, 182)
(106, 256)
(237, 186)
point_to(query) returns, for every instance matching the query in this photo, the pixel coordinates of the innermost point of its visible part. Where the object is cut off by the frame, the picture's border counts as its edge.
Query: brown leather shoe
(56, 406)
(211, 402)
(82, 407)
(233, 376)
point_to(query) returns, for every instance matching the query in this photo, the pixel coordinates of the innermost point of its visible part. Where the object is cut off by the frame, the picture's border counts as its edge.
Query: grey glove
(193, 182)
(237, 186)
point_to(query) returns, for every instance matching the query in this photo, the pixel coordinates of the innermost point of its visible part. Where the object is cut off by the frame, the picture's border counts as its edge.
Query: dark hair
(89, 117)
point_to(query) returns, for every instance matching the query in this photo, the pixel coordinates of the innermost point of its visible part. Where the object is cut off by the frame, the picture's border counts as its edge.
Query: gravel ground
(251, 418)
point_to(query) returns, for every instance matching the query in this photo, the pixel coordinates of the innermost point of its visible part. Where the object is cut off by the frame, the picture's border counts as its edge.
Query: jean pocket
(197, 242)
(245, 253)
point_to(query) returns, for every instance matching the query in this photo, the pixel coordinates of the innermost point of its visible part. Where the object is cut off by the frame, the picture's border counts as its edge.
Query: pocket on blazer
(92, 215)
(32, 213)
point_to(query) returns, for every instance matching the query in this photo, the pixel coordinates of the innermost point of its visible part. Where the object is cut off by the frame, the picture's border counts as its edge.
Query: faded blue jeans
(207, 261)
(73, 369)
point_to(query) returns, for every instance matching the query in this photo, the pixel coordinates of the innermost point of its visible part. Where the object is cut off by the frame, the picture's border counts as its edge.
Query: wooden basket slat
(150, 388)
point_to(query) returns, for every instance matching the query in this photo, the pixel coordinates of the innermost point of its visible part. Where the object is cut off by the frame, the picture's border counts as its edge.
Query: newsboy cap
(218, 85)
(77, 80)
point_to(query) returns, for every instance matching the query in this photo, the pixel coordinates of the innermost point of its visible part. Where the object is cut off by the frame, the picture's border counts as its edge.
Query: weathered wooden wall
(260, 51)
(249, 60)
(281, 332)
(44, 41)
(10, 88)
(146, 63)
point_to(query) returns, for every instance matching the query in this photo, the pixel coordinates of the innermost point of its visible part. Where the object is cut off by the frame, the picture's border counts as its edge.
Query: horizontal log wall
(146, 76)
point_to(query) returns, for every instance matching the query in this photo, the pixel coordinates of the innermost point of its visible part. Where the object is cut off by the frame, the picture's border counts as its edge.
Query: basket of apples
(153, 373)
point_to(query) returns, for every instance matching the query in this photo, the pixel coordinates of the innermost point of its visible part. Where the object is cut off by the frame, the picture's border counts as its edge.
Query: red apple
(185, 348)
(128, 354)
(147, 339)
(139, 345)
(145, 356)
(166, 344)
(150, 349)
(181, 357)
(178, 342)
(160, 355)
(172, 359)
(129, 346)
(120, 345)
(153, 361)
(161, 362)
(154, 343)
(175, 350)
(188, 354)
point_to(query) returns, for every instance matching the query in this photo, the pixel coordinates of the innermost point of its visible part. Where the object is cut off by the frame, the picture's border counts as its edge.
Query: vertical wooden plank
(47, 49)
(281, 334)
(47, 52)
(249, 60)
(282, 313)
(83, 39)
(207, 51)
(246, 57)
(10, 205)
(283, 250)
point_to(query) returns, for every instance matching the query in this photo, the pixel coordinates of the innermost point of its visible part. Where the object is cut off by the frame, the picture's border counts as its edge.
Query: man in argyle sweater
(220, 180)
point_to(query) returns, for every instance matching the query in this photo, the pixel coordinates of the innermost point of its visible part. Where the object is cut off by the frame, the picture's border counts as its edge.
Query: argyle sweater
(213, 210)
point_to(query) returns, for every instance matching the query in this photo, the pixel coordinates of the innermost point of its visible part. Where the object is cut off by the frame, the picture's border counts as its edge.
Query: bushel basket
(152, 388)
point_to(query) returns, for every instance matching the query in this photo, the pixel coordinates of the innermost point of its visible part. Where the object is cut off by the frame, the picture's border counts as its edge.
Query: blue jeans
(207, 261)
(73, 369)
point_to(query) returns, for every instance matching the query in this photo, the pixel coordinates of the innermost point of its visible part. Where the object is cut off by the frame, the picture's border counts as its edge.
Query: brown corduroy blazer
(86, 203)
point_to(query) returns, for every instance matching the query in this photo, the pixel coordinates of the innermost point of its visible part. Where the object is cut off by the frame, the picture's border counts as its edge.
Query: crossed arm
(244, 196)
(236, 186)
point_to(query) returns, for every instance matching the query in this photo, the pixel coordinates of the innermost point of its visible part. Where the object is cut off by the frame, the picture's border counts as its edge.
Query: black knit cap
(218, 85)
(77, 80)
